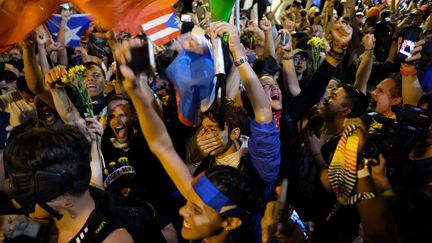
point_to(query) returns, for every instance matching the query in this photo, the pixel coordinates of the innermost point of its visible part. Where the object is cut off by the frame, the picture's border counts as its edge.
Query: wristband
(288, 58)
(371, 49)
(408, 72)
(241, 60)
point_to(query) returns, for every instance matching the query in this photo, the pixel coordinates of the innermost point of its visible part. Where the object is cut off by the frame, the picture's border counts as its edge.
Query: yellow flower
(317, 42)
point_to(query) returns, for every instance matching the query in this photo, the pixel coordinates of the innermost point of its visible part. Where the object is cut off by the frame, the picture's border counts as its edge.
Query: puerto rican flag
(75, 27)
(162, 26)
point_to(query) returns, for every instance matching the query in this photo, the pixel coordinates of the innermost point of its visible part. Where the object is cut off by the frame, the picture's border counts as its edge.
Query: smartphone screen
(186, 18)
(408, 43)
(296, 219)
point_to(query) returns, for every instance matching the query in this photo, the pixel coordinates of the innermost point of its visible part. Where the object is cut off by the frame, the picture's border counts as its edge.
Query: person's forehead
(118, 105)
(386, 84)
(266, 80)
(93, 69)
(207, 122)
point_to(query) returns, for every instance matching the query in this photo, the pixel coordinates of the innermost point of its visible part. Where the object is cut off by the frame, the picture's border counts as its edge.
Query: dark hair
(22, 86)
(238, 188)
(7, 76)
(235, 116)
(88, 65)
(266, 66)
(54, 150)
(426, 99)
(357, 101)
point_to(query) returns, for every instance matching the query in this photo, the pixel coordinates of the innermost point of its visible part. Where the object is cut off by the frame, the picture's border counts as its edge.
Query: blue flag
(76, 25)
(192, 75)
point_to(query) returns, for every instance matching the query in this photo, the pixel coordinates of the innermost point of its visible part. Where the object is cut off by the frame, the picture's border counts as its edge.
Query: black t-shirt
(150, 183)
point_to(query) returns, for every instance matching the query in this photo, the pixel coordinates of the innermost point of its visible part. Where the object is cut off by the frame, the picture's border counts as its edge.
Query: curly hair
(235, 116)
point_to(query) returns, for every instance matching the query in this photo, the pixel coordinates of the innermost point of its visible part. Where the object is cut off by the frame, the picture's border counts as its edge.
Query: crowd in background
(97, 145)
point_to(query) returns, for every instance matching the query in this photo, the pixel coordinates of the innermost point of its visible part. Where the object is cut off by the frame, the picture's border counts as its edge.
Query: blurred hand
(208, 142)
(313, 143)
(341, 34)
(288, 46)
(220, 28)
(16, 225)
(94, 128)
(123, 56)
(416, 53)
(369, 41)
(53, 78)
(265, 25)
(65, 14)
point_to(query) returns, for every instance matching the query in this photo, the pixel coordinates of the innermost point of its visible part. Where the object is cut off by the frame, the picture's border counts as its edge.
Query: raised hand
(94, 128)
(265, 25)
(369, 41)
(53, 78)
(208, 142)
(288, 46)
(220, 28)
(341, 34)
(123, 56)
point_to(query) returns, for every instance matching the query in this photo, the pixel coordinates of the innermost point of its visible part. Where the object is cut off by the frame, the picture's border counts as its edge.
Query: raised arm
(151, 124)
(259, 100)
(41, 40)
(269, 46)
(91, 128)
(365, 68)
(411, 88)
(288, 71)
(62, 54)
(33, 75)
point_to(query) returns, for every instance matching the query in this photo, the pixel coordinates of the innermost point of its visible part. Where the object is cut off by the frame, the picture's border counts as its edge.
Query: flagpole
(237, 14)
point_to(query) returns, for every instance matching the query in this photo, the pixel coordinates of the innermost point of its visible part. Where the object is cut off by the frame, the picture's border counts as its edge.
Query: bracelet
(371, 49)
(288, 58)
(241, 60)
(408, 72)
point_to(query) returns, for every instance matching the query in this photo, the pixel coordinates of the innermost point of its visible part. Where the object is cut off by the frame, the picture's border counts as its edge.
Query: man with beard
(311, 183)
(131, 169)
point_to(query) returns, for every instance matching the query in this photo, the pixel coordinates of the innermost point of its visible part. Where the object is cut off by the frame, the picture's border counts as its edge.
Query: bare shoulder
(119, 235)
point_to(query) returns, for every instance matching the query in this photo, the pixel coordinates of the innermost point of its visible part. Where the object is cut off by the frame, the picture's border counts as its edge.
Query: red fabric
(20, 17)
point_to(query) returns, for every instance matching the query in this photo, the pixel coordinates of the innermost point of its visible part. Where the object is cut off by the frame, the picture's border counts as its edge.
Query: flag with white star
(161, 26)
(75, 26)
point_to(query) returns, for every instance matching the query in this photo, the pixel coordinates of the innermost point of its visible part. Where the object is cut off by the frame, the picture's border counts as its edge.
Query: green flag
(221, 9)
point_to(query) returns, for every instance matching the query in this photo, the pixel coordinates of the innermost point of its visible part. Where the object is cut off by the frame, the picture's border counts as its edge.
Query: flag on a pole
(75, 26)
(161, 26)
(192, 74)
(221, 9)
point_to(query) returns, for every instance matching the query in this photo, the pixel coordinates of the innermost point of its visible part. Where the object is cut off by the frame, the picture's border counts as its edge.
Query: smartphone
(296, 219)
(284, 38)
(281, 209)
(284, 210)
(142, 59)
(410, 37)
(186, 18)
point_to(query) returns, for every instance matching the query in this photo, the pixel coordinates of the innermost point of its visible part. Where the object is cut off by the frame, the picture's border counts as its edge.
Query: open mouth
(120, 132)
(186, 225)
(275, 96)
(372, 104)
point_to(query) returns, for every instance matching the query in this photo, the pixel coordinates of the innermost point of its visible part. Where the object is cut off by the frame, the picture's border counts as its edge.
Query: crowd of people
(332, 95)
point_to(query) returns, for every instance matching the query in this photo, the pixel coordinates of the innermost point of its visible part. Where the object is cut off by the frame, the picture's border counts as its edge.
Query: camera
(396, 138)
